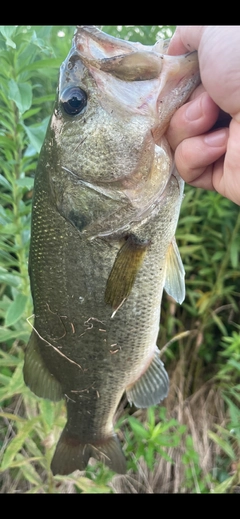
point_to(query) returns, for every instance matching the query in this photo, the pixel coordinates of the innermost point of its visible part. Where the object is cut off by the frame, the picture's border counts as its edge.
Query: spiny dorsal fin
(125, 268)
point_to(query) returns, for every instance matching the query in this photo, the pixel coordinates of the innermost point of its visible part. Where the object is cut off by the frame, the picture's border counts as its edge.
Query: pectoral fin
(152, 386)
(123, 274)
(174, 281)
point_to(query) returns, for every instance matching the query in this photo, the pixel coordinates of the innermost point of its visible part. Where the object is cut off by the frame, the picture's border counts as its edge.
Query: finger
(185, 39)
(193, 118)
(197, 92)
(194, 155)
(205, 179)
(226, 180)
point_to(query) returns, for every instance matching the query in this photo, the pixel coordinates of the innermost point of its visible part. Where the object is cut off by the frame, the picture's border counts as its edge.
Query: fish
(105, 208)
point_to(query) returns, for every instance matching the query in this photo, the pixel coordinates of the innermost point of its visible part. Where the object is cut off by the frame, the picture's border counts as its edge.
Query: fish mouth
(115, 64)
(129, 61)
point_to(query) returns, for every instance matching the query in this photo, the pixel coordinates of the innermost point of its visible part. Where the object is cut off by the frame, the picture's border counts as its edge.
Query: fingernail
(216, 139)
(194, 110)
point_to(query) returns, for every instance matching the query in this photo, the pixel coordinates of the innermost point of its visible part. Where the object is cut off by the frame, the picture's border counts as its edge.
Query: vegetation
(193, 443)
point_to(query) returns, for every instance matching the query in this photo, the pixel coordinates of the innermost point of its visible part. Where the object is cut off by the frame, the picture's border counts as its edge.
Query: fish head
(115, 100)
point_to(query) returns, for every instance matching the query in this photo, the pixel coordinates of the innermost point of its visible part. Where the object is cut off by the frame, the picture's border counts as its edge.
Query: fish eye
(73, 100)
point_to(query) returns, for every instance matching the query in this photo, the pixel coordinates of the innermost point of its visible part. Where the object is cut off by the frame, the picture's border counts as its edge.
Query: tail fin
(71, 454)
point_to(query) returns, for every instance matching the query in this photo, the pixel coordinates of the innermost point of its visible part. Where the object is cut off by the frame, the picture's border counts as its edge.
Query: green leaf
(40, 43)
(47, 413)
(21, 94)
(25, 182)
(4, 182)
(190, 237)
(234, 364)
(223, 444)
(189, 219)
(189, 249)
(34, 451)
(30, 113)
(7, 142)
(223, 487)
(8, 360)
(16, 444)
(234, 415)
(10, 416)
(23, 461)
(234, 253)
(149, 456)
(10, 279)
(6, 335)
(14, 385)
(45, 99)
(219, 323)
(151, 417)
(164, 455)
(37, 133)
(30, 473)
(4, 380)
(44, 63)
(138, 428)
(7, 31)
(16, 310)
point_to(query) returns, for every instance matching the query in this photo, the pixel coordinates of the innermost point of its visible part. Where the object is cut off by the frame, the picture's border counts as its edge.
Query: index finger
(185, 39)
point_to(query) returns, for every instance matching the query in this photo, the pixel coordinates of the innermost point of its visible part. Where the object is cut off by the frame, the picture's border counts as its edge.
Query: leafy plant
(153, 437)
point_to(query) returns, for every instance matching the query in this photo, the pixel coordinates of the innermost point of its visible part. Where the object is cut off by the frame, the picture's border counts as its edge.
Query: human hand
(206, 158)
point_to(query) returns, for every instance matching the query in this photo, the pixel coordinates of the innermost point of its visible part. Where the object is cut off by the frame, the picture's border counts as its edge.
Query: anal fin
(125, 268)
(152, 386)
(36, 374)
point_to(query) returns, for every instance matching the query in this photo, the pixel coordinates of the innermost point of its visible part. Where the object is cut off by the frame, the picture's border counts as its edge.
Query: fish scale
(105, 209)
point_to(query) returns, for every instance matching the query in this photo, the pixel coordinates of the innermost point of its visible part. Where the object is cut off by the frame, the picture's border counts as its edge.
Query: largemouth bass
(105, 209)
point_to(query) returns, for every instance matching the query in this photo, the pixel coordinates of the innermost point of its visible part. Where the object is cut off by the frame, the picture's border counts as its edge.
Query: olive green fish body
(105, 210)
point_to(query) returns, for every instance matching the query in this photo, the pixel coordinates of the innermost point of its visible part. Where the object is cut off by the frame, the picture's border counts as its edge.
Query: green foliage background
(201, 338)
